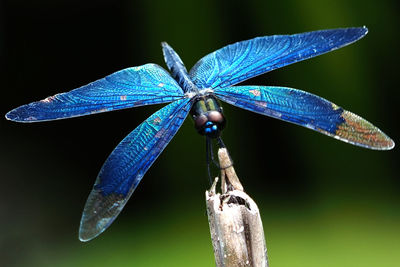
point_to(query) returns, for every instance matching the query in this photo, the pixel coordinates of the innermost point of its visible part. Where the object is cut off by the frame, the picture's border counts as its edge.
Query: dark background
(324, 202)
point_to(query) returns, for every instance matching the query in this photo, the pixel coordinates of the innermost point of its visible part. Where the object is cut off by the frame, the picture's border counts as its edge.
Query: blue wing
(126, 166)
(131, 87)
(307, 110)
(243, 60)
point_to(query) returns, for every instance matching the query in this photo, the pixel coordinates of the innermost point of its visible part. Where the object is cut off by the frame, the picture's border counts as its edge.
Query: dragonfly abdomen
(177, 68)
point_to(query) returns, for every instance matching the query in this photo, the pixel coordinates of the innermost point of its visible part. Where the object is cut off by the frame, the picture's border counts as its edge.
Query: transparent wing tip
(87, 231)
(388, 143)
(85, 238)
(392, 145)
(86, 235)
(359, 131)
(99, 213)
(90, 228)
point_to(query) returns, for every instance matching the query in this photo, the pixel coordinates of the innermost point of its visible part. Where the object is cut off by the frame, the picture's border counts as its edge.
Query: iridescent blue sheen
(137, 151)
(286, 104)
(213, 76)
(243, 60)
(126, 166)
(131, 87)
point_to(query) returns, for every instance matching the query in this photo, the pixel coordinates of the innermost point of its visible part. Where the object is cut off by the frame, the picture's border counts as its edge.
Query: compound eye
(210, 123)
(200, 121)
(215, 117)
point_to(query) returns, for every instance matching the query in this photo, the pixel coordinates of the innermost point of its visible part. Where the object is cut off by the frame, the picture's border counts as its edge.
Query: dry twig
(235, 224)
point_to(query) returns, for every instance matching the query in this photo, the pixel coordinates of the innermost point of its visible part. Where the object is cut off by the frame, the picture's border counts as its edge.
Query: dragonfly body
(196, 93)
(206, 110)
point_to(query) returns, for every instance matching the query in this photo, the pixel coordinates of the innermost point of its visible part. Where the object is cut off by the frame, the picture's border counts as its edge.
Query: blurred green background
(323, 202)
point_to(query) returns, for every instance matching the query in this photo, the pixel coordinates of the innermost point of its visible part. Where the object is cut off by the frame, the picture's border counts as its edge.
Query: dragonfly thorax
(208, 117)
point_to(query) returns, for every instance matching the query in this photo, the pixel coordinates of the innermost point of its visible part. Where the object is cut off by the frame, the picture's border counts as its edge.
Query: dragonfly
(197, 93)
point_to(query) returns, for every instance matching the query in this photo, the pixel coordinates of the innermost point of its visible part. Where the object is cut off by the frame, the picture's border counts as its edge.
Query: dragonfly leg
(212, 155)
(208, 145)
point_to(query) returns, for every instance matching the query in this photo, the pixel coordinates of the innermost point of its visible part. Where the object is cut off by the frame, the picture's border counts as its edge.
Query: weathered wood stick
(235, 224)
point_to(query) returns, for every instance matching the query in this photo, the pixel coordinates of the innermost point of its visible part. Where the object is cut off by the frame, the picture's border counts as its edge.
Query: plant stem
(235, 223)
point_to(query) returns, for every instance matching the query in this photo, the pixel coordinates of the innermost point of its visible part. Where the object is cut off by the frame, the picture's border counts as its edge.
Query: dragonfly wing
(307, 110)
(131, 87)
(126, 166)
(243, 60)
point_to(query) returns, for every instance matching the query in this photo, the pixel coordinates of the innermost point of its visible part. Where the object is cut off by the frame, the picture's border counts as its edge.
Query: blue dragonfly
(196, 92)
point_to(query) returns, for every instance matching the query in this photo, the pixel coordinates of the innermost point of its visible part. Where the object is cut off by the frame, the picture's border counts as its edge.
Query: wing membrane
(131, 87)
(126, 166)
(243, 60)
(307, 110)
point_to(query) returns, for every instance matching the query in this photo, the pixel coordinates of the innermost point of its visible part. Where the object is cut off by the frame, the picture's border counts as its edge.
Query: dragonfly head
(210, 124)
(208, 117)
